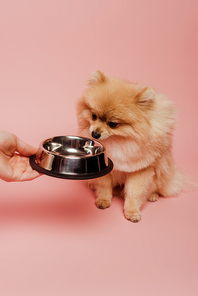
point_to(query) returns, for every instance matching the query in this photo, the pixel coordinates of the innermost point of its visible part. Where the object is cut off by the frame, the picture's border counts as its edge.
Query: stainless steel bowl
(72, 157)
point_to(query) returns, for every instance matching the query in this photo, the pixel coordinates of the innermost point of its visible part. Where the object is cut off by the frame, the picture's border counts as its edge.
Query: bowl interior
(72, 146)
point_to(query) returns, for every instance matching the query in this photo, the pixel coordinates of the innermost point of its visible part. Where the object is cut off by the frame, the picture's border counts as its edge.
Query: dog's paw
(102, 203)
(132, 216)
(153, 197)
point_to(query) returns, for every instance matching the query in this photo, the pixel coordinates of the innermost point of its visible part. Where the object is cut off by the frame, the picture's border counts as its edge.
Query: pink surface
(53, 240)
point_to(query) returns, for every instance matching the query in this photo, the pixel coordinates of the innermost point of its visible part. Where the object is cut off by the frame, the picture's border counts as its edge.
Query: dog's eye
(94, 116)
(112, 124)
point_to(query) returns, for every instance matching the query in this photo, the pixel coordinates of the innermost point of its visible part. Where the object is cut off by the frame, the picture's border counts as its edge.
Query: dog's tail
(180, 182)
(172, 181)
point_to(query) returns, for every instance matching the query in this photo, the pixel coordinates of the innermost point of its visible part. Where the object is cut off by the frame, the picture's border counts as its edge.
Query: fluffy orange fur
(135, 124)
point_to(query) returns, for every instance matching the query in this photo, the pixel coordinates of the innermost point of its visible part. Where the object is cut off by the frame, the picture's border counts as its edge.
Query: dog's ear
(97, 77)
(145, 98)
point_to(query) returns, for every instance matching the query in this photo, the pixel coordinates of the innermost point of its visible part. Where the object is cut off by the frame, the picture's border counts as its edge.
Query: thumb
(25, 149)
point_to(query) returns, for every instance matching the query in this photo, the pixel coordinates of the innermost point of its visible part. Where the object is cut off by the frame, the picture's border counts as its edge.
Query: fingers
(15, 166)
(28, 174)
(27, 150)
(21, 169)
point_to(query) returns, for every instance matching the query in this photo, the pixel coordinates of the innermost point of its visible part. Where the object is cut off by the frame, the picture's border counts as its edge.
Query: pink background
(53, 239)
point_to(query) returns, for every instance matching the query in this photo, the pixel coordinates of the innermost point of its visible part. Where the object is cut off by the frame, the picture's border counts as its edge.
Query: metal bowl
(71, 157)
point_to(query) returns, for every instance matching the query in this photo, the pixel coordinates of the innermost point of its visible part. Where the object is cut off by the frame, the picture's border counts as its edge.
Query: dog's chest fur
(127, 156)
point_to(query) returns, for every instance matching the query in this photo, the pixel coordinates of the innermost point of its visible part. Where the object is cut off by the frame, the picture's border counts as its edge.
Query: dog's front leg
(103, 191)
(138, 187)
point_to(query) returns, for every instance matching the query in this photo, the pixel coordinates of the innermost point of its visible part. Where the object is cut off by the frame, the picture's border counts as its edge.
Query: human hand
(14, 159)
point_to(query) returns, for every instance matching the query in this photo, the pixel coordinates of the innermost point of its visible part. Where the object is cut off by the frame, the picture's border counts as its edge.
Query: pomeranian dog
(135, 124)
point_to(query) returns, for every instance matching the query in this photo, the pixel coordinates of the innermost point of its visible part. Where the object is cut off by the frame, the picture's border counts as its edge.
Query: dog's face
(111, 107)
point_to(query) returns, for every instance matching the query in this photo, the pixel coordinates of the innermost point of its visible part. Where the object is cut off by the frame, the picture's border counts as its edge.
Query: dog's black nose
(95, 135)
